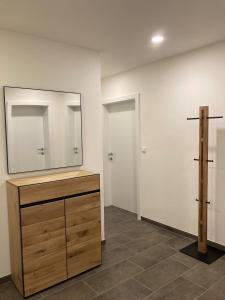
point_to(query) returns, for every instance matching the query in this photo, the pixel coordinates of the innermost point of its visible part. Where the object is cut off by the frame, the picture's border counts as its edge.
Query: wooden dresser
(54, 227)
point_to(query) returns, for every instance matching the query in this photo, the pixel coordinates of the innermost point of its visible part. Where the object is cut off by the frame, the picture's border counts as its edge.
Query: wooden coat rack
(201, 250)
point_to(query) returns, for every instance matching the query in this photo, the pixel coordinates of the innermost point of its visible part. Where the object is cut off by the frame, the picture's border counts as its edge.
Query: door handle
(110, 156)
(76, 150)
(41, 151)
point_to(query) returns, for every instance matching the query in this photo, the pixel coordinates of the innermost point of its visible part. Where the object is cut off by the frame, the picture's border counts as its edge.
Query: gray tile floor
(140, 261)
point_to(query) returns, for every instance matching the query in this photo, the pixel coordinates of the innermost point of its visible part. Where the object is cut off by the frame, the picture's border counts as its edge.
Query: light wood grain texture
(83, 257)
(53, 257)
(43, 248)
(44, 245)
(15, 236)
(43, 212)
(45, 277)
(48, 178)
(41, 233)
(203, 178)
(76, 205)
(83, 232)
(82, 217)
(43, 228)
(55, 189)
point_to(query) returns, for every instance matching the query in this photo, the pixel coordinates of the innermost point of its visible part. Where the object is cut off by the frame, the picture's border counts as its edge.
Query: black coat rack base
(209, 257)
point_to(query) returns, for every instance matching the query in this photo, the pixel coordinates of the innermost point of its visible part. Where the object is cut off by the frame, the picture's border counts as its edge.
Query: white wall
(26, 61)
(170, 91)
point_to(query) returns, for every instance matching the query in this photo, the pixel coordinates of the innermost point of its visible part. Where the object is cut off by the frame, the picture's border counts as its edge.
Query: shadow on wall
(219, 201)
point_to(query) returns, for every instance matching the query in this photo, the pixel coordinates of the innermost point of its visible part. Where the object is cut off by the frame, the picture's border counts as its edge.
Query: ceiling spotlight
(157, 39)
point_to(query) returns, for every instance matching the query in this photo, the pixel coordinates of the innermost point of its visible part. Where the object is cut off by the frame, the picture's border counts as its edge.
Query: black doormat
(212, 254)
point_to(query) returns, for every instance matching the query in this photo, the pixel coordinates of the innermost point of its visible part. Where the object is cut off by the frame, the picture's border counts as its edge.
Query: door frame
(69, 104)
(109, 101)
(9, 133)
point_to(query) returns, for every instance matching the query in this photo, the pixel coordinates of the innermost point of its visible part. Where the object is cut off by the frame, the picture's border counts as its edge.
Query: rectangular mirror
(43, 129)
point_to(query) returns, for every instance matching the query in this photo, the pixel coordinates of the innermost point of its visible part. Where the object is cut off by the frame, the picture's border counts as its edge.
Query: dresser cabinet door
(44, 246)
(83, 233)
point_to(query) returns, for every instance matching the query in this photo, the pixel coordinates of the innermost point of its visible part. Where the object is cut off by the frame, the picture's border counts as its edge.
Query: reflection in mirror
(73, 143)
(44, 129)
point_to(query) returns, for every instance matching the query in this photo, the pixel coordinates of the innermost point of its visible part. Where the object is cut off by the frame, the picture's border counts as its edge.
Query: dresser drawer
(44, 245)
(38, 233)
(83, 221)
(83, 257)
(82, 217)
(84, 232)
(45, 277)
(43, 229)
(59, 188)
(55, 228)
(81, 204)
(42, 212)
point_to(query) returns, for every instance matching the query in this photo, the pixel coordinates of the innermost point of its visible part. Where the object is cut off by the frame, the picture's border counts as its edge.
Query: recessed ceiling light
(157, 39)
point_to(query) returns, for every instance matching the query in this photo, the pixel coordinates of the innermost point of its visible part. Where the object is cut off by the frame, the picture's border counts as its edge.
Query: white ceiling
(120, 29)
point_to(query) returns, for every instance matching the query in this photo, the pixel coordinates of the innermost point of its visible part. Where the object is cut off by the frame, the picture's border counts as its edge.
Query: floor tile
(140, 261)
(179, 242)
(148, 240)
(53, 290)
(168, 233)
(185, 259)
(181, 288)
(139, 245)
(112, 276)
(9, 292)
(156, 237)
(112, 219)
(120, 238)
(109, 245)
(140, 224)
(152, 256)
(115, 241)
(219, 266)
(80, 277)
(78, 291)
(204, 275)
(113, 212)
(161, 274)
(113, 229)
(130, 289)
(217, 292)
(115, 255)
(154, 296)
(139, 231)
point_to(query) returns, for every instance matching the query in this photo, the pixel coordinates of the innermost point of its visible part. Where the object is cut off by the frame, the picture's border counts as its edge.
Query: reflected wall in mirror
(43, 129)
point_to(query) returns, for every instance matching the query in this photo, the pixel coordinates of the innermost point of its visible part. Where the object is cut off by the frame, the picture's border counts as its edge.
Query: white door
(73, 143)
(120, 155)
(28, 139)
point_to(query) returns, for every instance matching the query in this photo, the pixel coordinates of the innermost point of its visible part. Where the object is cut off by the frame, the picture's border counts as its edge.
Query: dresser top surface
(49, 177)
